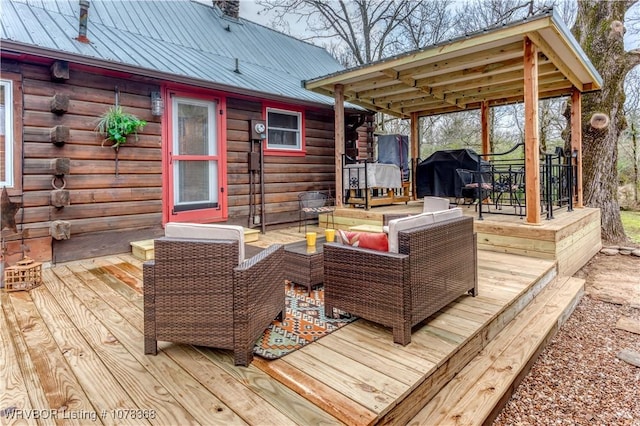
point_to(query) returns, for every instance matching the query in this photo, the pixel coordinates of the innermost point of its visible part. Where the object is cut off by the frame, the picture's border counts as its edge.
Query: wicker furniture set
(196, 291)
(199, 289)
(435, 263)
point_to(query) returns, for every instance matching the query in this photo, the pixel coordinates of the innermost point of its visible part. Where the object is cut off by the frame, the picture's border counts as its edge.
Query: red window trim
(286, 152)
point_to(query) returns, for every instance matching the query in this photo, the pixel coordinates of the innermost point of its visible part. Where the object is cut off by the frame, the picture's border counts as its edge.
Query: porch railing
(501, 183)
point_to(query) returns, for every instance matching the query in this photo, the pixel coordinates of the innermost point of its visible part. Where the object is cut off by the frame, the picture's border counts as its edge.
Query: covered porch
(534, 59)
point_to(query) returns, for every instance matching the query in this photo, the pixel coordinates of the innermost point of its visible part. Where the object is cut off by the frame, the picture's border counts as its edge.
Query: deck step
(251, 235)
(480, 390)
(142, 250)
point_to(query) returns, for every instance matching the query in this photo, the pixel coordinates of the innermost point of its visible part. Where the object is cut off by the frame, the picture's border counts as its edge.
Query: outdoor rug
(304, 323)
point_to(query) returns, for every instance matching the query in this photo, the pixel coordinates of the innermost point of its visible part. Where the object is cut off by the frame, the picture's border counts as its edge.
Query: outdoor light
(156, 104)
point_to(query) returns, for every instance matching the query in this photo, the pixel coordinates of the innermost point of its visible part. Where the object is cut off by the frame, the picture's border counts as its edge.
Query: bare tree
(368, 29)
(476, 15)
(599, 30)
(629, 142)
(429, 23)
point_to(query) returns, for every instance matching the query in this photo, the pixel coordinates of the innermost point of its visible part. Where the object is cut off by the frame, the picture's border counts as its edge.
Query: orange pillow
(369, 240)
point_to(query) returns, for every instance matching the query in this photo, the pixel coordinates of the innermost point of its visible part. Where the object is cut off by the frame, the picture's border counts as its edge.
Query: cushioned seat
(431, 261)
(199, 290)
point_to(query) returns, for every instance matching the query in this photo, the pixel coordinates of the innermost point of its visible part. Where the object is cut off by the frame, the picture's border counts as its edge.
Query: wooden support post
(60, 71)
(59, 103)
(576, 140)
(484, 120)
(415, 150)
(531, 138)
(339, 139)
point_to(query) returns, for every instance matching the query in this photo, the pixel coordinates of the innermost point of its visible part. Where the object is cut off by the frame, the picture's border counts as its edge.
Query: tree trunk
(601, 37)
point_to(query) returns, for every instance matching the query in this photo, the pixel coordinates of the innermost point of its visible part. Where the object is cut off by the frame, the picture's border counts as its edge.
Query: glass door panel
(194, 158)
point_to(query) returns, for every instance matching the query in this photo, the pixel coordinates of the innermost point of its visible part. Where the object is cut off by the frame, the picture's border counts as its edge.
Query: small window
(6, 134)
(284, 130)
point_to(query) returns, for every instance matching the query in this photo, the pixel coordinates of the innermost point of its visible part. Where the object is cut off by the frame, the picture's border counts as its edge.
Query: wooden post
(415, 150)
(484, 120)
(339, 139)
(576, 139)
(531, 138)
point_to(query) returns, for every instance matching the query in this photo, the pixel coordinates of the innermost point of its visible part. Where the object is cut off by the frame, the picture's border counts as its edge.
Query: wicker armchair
(196, 292)
(435, 264)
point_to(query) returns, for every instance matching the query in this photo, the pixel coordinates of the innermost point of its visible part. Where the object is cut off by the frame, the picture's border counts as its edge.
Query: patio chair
(314, 203)
(200, 291)
(474, 186)
(432, 260)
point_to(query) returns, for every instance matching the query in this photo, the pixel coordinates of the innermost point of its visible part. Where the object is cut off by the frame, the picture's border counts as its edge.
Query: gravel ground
(577, 379)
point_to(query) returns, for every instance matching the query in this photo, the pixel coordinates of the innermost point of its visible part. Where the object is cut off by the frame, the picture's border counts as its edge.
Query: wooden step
(251, 235)
(142, 250)
(480, 390)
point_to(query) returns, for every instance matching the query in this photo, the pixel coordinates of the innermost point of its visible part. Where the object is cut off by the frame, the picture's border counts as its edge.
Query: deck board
(14, 386)
(356, 375)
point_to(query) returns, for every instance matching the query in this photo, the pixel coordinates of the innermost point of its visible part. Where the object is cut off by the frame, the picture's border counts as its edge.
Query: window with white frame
(284, 130)
(6, 134)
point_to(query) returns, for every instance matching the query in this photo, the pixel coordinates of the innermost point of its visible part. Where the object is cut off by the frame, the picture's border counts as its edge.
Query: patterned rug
(304, 323)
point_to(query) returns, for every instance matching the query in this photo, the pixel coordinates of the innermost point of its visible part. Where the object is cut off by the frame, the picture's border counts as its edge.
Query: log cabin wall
(106, 212)
(285, 176)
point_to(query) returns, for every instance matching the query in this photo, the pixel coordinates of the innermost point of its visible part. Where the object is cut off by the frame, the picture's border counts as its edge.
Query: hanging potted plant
(115, 125)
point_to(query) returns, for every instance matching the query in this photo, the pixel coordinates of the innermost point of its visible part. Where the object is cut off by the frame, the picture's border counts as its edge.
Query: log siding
(106, 210)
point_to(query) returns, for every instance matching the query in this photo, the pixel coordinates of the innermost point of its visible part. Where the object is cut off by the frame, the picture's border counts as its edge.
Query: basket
(23, 276)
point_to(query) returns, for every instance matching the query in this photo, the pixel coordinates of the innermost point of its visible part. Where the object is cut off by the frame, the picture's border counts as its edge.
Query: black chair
(470, 181)
(314, 203)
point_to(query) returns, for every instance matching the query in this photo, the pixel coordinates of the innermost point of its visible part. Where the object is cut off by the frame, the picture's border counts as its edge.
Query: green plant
(631, 224)
(115, 125)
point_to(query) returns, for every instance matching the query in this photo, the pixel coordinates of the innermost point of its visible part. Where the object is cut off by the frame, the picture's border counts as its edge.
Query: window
(6, 134)
(195, 155)
(284, 130)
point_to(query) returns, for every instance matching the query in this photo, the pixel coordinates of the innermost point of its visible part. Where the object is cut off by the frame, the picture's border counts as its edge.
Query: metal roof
(463, 73)
(182, 41)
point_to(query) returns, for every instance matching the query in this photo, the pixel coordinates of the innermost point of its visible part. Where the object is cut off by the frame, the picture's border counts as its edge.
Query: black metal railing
(499, 182)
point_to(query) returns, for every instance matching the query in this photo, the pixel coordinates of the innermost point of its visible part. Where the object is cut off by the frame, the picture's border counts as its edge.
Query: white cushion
(447, 214)
(403, 223)
(434, 204)
(207, 231)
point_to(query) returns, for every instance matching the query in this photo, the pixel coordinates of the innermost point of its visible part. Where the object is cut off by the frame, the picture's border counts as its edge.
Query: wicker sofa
(429, 265)
(200, 291)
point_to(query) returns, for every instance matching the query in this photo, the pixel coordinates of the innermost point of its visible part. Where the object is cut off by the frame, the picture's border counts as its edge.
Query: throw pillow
(369, 240)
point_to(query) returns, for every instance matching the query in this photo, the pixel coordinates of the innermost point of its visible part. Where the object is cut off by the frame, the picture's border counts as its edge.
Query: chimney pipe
(229, 8)
(84, 16)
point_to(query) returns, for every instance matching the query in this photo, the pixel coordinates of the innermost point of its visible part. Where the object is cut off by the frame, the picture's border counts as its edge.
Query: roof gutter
(13, 47)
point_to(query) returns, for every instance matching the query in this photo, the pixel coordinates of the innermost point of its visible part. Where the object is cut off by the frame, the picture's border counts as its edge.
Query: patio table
(304, 265)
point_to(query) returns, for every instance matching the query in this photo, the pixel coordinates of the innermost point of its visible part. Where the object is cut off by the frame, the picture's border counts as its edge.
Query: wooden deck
(75, 345)
(571, 238)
